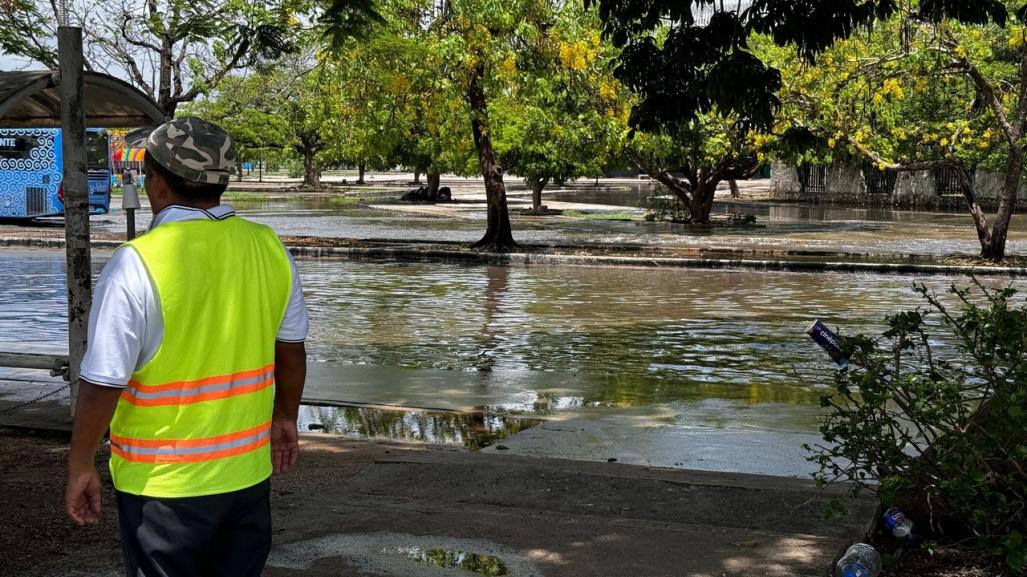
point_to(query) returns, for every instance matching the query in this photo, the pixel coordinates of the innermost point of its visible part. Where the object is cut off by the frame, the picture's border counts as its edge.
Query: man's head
(188, 161)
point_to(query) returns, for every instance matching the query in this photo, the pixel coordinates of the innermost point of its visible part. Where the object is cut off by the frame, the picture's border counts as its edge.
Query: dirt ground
(40, 542)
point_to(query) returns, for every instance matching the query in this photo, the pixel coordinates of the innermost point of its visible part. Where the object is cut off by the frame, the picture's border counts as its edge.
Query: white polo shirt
(126, 326)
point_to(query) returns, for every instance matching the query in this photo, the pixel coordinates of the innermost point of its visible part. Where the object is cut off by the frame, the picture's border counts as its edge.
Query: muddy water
(536, 341)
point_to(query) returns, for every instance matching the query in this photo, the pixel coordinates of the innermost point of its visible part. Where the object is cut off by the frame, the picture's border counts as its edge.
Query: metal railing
(813, 178)
(948, 183)
(56, 364)
(879, 181)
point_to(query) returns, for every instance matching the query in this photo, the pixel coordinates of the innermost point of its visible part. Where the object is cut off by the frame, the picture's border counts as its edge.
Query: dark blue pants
(227, 535)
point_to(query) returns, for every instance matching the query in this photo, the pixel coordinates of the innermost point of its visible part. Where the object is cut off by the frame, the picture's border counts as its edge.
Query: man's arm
(93, 412)
(290, 375)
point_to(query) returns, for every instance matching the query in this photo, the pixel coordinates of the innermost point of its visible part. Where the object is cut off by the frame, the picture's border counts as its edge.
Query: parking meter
(130, 202)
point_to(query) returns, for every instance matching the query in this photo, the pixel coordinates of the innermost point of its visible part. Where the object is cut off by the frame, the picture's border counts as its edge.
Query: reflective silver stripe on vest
(176, 451)
(141, 393)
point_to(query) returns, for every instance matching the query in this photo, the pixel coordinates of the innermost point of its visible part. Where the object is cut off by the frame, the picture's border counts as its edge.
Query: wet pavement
(355, 508)
(412, 514)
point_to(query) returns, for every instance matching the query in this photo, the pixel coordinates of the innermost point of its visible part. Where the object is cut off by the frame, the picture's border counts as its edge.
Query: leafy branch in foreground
(937, 424)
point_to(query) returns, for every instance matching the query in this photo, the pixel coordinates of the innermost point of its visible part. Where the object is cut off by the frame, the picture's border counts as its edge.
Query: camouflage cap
(194, 149)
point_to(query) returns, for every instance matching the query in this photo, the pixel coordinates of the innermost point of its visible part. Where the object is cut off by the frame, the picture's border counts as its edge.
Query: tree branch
(1012, 133)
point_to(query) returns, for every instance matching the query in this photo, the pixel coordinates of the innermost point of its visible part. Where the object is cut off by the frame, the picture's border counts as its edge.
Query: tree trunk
(361, 168)
(434, 180)
(537, 184)
(498, 233)
(311, 172)
(238, 173)
(260, 170)
(735, 193)
(701, 206)
(417, 176)
(995, 249)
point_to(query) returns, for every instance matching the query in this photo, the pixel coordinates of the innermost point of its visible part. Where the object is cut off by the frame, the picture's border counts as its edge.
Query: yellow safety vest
(195, 419)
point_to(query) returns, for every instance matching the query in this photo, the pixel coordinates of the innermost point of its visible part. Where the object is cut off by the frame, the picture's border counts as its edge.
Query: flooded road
(780, 227)
(619, 362)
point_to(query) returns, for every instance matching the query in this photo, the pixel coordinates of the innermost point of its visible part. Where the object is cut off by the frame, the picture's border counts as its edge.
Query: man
(196, 362)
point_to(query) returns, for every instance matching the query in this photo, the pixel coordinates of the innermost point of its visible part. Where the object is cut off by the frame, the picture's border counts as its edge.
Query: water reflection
(33, 305)
(479, 564)
(495, 287)
(473, 429)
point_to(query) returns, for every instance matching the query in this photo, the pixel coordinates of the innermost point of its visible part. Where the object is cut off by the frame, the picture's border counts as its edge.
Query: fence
(879, 181)
(947, 181)
(813, 178)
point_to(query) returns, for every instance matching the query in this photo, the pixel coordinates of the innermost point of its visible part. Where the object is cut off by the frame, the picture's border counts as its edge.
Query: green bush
(936, 424)
(662, 206)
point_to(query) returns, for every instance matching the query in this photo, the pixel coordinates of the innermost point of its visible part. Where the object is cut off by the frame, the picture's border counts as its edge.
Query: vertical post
(130, 217)
(129, 202)
(76, 198)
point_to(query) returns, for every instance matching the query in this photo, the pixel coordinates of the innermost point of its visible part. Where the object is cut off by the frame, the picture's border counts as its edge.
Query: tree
(562, 115)
(382, 83)
(177, 50)
(173, 50)
(704, 152)
(466, 41)
(869, 97)
(691, 61)
(289, 105)
(249, 112)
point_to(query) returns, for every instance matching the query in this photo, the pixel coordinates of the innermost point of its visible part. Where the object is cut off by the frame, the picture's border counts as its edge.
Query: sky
(8, 62)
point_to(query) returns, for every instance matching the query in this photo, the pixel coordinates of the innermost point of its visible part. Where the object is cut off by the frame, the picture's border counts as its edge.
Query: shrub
(938, 426)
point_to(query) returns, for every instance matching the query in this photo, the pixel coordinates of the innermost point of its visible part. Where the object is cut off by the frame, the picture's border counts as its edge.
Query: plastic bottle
(898, 524)
(861, 560)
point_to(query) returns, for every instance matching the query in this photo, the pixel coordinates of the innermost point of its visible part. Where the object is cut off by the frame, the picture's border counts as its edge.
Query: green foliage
(562, 115)
(937, 424)
(903, 93)
(687, 59)
(663, 207)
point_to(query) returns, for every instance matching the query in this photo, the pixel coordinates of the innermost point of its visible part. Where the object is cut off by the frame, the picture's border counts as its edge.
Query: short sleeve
(117, 321)
(295, 323)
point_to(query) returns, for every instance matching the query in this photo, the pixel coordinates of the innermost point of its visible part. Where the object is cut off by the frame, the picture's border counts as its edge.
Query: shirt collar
(178, 213)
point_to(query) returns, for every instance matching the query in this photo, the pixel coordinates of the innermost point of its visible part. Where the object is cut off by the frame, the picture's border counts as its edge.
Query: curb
(441, 255)
(373, 253)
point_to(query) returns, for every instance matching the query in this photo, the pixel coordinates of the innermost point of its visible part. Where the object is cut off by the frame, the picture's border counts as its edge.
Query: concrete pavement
(411, 513)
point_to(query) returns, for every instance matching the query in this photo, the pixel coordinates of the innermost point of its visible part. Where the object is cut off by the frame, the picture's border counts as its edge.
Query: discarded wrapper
(829, 341)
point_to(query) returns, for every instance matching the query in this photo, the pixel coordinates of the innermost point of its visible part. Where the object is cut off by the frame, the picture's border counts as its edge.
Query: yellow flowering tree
(562, 115)
(915, 94)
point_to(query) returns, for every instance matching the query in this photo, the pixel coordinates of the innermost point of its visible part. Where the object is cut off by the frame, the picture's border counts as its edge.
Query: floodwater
(782, 228)
(624, 363)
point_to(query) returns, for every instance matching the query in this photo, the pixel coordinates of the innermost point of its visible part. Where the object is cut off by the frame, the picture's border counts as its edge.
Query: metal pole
(76, 198)
(130, 215)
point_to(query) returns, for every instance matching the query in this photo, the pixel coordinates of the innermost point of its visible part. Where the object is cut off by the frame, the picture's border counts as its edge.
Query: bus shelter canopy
(32, 99)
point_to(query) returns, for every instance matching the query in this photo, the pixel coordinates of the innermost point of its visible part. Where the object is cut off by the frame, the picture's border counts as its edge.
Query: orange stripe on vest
(190, 450)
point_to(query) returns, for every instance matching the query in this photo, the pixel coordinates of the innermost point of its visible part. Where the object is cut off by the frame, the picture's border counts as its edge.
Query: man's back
(196, 363)
(206, 395)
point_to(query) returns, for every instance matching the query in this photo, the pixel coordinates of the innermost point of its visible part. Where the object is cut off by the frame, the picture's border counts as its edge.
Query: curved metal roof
(32, 100)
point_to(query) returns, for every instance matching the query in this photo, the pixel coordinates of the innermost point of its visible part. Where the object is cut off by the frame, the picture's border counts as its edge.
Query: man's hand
(93, 411)
(290, 373)
(82, 497)
(285, 444)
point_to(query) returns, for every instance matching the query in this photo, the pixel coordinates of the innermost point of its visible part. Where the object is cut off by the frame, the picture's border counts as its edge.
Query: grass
(342, 200)
(244, 196)
(602, 215)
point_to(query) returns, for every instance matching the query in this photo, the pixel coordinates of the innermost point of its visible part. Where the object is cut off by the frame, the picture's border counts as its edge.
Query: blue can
(829, 341)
